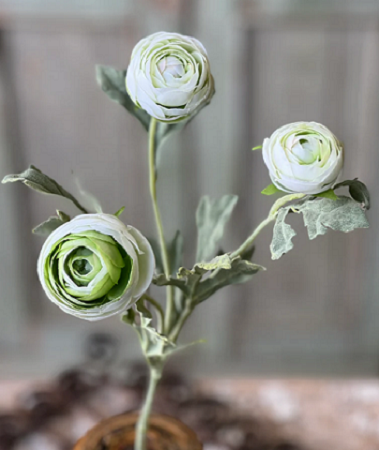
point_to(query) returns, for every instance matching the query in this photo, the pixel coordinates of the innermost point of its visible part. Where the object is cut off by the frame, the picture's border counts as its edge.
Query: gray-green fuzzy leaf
(187, 280)
(47, 227)
(112, 82)
(343, 215)
(239, 272)
(282, 235)
(35, 179)
(211, 218)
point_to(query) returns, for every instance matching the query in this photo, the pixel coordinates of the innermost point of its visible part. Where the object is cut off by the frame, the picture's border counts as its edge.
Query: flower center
(82, 266)
(170, 65)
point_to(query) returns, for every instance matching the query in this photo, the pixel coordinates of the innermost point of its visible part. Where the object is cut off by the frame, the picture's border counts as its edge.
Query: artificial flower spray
(94, 266)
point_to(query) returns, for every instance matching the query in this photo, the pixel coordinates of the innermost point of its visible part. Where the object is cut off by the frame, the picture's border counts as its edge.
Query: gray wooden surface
(316, 310)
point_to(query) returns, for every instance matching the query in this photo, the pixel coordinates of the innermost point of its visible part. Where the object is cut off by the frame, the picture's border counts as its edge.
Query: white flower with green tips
(95, 266)
(303, 157)
(169, 76)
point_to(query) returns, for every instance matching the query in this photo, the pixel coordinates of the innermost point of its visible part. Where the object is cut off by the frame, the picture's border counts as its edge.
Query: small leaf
(46, 228)
(63, 216)
(112, 82)
(358, 191)
(38, 181)
(119, 212)
(343, 215)
(271, 189)
(240, 271)
(282, 235)
(330, 194)
(211, 218)
(258, 147)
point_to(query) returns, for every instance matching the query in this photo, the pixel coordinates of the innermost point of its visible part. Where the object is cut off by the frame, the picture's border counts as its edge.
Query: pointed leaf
(119, 212)
(45, 228)
(63, 216)
(112, 82)
(330, 194)
(211, 218)
(38, 181)
(271, 189)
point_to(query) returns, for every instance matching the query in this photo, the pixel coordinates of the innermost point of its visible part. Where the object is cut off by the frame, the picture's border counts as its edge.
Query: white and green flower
(303, 157)
(95, 266)
(169, 76)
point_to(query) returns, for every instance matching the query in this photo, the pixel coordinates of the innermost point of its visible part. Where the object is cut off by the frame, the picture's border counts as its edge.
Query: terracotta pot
(117, 433)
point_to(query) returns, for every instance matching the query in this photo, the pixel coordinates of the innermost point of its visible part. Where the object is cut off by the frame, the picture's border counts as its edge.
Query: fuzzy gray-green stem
(143, 421)
(158, 221)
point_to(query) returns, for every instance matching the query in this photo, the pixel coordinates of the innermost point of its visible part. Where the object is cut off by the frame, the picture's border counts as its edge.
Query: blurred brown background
(314, 312)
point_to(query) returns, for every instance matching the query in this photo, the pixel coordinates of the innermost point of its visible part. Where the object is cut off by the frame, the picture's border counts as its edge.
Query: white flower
(169, 76)
(303, 157)
(95, 266)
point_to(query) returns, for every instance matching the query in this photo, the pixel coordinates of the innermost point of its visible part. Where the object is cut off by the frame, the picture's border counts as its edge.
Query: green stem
(143, 421)
(181, 321)
(158, 308)
(282, 201)
(158, 221)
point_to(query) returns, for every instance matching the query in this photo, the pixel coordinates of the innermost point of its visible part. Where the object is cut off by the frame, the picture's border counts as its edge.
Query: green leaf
(211, 218)
(343, 215)
(112, 82)
(38, 181)
(357, 190)
(45, 228)
(271, 189)
(282, 235)
(240, 271)
(63, 216)
(119, 212)
(330, 194)
(258, 147)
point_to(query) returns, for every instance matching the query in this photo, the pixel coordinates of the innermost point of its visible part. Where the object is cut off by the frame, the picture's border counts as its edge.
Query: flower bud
(303, 157)
(169, 76)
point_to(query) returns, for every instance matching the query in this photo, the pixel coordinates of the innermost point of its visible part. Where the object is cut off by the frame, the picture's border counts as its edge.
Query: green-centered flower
(95, 266)
(303, 157)
(169, 76)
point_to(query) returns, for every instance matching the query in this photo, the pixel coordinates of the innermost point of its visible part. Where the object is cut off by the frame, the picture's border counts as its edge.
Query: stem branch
(282, 201)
